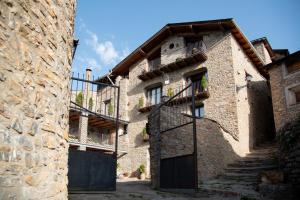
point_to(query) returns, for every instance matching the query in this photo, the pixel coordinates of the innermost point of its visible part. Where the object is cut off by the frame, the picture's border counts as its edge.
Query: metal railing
(97, 100)
(94, 97)
(154, 64)
(179, 93)
(195, 47)
(174, 116)
(190, 49)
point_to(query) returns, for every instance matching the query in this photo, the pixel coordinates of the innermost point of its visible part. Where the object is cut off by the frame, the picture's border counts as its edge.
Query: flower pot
(142, 176)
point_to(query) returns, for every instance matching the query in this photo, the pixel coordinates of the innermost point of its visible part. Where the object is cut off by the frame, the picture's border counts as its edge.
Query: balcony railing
(194, 54)
(93, 97)
(183, 94)
(154, 64)
(195, 47)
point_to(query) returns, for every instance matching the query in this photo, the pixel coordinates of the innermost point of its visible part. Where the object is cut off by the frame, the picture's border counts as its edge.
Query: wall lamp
(248, 79)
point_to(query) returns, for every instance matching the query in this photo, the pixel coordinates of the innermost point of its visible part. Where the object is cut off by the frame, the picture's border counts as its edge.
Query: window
(200, 82)
(293, 95)
(154, 95)
(199, 111)
(107, 107)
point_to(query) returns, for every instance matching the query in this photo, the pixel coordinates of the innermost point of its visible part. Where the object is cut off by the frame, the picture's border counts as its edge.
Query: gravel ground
(133, 189)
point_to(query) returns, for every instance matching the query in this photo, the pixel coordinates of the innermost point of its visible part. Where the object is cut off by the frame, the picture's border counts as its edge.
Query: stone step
(227, 182)
(249, 169)
(230, 191)
(243, 164)
(241, 178)
(247, 177)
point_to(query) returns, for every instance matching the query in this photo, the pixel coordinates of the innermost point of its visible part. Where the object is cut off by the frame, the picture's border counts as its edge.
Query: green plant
(178, 59)
(79, 99)
(141, 102)
(142, 169)
(170, 92)
(204, 82)
(144, 132)
(91, 103)
(110, 109)
(118, 166)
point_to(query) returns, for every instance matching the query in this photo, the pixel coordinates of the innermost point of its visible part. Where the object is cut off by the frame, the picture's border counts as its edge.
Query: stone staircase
(241, 178)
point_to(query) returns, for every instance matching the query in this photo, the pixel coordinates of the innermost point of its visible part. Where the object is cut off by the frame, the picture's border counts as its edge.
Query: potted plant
(91, 103)
(144, 134)
(141, 102)
(119, 173)
(110, 109)
(204, 83)
(170, 92)
(178, 59)
(142, 171)
(79, 99)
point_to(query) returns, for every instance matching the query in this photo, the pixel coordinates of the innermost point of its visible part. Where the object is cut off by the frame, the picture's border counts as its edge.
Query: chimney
(88, 86)
(88, 74)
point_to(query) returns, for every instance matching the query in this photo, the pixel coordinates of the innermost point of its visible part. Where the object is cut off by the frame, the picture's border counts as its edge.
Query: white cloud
(81, 24)
(105, 50)
(93, 64)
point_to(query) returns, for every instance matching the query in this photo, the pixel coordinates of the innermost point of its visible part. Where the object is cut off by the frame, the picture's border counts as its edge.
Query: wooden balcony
(200, 56)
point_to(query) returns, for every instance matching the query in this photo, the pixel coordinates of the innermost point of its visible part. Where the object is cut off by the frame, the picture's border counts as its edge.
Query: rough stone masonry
(36, 39)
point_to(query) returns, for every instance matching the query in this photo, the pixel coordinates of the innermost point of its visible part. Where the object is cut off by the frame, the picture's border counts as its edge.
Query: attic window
(171, 46)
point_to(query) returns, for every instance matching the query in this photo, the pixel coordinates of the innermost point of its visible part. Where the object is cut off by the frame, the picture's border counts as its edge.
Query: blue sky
(108, 30)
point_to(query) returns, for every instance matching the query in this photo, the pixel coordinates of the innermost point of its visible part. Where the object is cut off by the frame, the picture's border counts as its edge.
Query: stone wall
(293, 165)
(254, 106)
(280, 81)
(263, 52)
(36, 39)
(216, 149)
(168, 54)
(215, 146)
(223, 105)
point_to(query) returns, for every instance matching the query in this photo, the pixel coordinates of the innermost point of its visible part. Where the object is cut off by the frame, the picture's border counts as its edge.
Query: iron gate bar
(157, 111)
(93, 89)
(94, 82)
(195, 138)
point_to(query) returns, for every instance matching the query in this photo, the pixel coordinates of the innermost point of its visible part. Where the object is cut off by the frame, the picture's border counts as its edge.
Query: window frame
(149, 95)
(199, 108)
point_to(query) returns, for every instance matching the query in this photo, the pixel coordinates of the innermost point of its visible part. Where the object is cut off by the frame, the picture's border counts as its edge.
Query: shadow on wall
(261, 119)
(139, 140)
(215, 151)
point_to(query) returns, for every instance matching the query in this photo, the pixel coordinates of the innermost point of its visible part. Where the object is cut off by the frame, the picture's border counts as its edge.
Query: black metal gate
(94, 169)
(91, 171)
(179, 172)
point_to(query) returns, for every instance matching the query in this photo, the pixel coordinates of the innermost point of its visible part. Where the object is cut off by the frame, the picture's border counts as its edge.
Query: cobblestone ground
(140, 190)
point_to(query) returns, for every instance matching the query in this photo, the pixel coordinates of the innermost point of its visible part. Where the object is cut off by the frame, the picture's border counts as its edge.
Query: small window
(125, 129)
(293, 95)
(107, 109)
(200, 82)
(154, 95)
(171, 46)
(199, 111)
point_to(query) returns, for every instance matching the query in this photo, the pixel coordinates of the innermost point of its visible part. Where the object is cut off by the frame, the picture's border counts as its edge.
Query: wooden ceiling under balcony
(179, 64)
(95, 120)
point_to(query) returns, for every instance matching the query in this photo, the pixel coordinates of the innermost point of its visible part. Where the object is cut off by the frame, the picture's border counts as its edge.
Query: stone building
(285, 87)
(169, 60)
(36, 40)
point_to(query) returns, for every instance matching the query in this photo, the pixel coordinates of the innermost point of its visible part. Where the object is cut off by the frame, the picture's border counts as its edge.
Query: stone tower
(36, 40)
